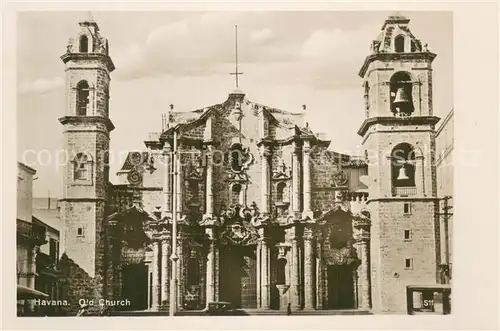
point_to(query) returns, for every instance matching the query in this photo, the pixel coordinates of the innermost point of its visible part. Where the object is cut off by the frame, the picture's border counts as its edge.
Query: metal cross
(236, 73)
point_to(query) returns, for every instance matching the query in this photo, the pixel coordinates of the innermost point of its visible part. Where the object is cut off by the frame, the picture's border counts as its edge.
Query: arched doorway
(341, 292)
(237, 280)
(340, 260)
(135, 286)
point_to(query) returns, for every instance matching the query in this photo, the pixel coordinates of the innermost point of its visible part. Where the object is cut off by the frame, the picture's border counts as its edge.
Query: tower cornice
(412, 120)
(89, 56)
(88, 119)
(387, 57)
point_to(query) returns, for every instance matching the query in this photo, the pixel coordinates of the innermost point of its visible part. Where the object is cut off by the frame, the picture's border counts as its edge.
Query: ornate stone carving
(257, 219)
(238, 231)
(340, 178)
(361, 226)
(134, 177)
(238, 235)
(344, 256)
(308, 233)
(246, 158)
(192, 173)
(210, 221)
(282, 249)
(360, 234)
(282, 173)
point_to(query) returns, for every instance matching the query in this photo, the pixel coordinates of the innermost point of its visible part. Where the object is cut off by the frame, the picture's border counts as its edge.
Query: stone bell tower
(87, 129)
(399, 141)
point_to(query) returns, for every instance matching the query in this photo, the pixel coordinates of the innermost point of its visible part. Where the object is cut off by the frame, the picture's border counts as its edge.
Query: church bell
(402, 174)
(401, 97)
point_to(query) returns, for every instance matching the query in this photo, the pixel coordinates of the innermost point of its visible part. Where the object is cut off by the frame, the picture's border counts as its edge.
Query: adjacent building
(37, 249)
(268, 214)
(30, 236)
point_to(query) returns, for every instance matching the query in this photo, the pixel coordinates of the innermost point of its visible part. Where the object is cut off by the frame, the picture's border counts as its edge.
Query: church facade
(267, 214)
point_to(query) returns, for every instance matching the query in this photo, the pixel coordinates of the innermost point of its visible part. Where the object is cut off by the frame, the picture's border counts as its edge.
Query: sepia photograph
(234, 163)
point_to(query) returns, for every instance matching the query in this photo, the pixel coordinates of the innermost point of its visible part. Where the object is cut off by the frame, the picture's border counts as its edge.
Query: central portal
(237, 281)
(340, 287)
(135, 286)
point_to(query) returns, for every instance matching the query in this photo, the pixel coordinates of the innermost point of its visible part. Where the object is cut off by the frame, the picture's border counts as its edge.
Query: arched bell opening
(401, 94)
(82, 98)
(403, 170)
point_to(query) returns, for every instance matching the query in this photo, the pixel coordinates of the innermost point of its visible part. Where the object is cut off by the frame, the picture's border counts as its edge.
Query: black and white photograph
(234, 163)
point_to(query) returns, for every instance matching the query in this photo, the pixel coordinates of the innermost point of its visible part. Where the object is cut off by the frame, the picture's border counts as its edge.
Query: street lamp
(174, 258)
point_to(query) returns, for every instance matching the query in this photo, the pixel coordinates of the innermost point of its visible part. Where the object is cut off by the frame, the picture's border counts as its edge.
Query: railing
(31, 231)
(404, 191)
(355, 196)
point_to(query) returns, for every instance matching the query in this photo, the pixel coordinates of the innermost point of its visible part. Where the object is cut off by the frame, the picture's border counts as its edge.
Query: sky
(184, 58)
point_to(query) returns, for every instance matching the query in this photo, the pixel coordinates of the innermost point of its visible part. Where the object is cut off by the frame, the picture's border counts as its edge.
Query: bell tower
(399, 140)
(87, 130)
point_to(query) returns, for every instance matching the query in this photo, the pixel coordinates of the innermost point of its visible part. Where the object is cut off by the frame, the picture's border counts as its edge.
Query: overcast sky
(184, 58)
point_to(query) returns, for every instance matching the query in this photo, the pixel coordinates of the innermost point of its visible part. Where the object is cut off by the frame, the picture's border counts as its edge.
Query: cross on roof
(236, 72)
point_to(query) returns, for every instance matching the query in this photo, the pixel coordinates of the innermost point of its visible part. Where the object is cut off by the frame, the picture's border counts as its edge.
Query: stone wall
(389, 250)
(76, 284)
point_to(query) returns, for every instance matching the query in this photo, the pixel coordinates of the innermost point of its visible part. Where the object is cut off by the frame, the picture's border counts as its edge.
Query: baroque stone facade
(267, 215)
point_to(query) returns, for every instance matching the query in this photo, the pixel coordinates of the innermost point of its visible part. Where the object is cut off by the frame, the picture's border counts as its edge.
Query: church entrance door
(135, 286)
(340, 287)
(237, 282)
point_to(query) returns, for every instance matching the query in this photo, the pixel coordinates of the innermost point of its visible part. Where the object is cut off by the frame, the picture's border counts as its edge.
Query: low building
(47, 272)
(30, 236)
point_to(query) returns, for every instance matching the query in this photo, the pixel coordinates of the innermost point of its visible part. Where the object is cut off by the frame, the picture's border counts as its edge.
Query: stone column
(179, 183)
(167, 190)
(156, 275)
(307, 179)
(319, 277)
(180, 274)
(258, 252)
(210, 274)
(295, 281)
(32, 267)
(164, 273)
(362, 237)
(209, 209)
(296, 179)
(264, 281)
(150, 285)
(265, 155)
(419, 175)
(416, 98)
(309, 269)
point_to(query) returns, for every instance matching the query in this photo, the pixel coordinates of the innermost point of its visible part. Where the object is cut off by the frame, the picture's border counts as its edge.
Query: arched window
(82, 169)
(399, 44)
(280, 191)
(403, 169)
(193, 272)
(236, 158)
(401, 94)
(235, 194)
(82, 98)
(84, 44)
